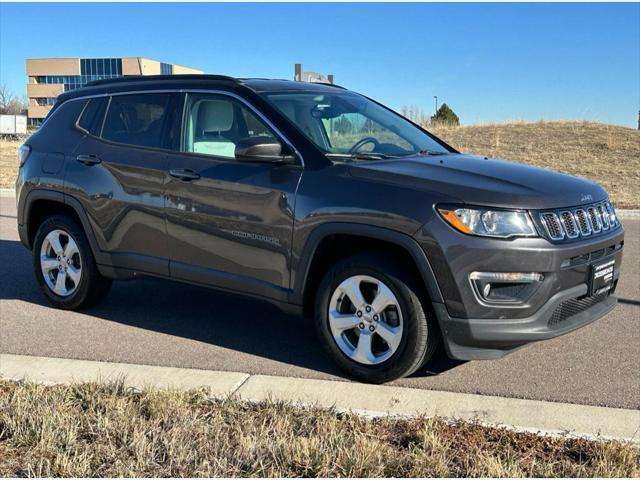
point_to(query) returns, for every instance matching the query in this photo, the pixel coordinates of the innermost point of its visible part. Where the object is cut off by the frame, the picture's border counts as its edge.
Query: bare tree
(11, 104)
(414, 113)
(6, 98)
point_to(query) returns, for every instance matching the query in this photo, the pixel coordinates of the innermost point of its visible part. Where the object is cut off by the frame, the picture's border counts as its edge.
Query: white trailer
(14, 125)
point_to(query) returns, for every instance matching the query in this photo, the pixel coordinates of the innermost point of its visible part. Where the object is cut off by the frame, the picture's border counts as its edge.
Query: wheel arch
(41, 204)
(311, 265)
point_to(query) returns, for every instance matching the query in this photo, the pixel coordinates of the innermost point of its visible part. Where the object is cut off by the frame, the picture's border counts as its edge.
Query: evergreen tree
(445, 116)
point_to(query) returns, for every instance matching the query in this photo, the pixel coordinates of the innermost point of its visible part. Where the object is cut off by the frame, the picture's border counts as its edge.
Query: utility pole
(436, 97)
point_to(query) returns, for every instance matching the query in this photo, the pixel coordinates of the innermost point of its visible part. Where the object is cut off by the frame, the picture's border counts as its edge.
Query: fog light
(496, 288)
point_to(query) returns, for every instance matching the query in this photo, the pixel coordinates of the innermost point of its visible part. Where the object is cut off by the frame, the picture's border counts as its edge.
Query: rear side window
(92, 116)
(138, 120)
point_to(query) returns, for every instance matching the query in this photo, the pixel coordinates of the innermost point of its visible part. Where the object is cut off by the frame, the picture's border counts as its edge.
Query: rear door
(120, 173)
(229, 223)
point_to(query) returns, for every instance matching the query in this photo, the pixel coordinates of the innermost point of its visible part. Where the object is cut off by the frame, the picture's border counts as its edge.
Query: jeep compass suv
(321, 201)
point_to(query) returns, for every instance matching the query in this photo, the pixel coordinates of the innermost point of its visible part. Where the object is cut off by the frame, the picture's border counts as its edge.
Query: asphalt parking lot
(164, 323)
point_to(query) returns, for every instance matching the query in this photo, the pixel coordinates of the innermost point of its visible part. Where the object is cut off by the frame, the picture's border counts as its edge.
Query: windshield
(347, 124)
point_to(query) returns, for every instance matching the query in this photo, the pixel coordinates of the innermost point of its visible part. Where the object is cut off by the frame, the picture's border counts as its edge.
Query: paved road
(164, 323)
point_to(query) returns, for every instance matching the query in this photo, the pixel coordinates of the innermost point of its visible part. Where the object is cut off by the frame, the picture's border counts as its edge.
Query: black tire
(92, 287)
(420, 334)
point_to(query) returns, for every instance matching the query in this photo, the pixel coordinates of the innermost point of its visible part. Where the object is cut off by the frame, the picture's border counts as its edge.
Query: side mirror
(261, 149)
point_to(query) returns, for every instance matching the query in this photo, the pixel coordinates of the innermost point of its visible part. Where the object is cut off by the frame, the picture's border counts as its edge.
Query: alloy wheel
(365, 319)
(60, 263)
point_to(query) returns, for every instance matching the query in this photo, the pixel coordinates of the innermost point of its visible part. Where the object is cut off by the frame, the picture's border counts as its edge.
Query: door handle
(185, 174)
(88, 159)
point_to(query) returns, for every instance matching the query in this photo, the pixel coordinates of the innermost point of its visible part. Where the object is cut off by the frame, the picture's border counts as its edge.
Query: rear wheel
(373, 318)
(64, 265)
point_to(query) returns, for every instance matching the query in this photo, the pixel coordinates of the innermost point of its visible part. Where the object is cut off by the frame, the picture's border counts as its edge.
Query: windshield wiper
(431, 152)
(420, 153)
(359, 156)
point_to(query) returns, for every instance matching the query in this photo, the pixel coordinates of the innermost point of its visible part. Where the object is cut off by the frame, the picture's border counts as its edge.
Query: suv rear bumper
(477, 339)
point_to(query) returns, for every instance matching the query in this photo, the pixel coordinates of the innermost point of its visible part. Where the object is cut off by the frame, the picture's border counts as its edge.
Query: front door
(229, 223)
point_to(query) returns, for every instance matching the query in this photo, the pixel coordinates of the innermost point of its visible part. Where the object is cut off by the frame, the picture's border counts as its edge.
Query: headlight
(486, 222)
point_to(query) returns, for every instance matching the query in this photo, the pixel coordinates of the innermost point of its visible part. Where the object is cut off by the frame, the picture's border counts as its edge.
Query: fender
(378, 233)
(24, 210)
(52, 195)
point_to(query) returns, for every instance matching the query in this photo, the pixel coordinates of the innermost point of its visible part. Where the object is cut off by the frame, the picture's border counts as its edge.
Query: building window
(91, 69)
(34, 122)
(47, 101)
(166, 69)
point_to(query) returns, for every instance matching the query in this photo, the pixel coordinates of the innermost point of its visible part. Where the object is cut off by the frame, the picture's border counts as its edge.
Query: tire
(76, 290)
(419, 335)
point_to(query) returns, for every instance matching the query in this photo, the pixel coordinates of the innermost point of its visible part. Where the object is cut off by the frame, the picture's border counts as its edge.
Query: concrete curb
(371, 400)
(62, 370)
(627, 213)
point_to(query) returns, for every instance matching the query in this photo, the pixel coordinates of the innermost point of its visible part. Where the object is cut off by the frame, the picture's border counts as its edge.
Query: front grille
(570, 308)
(569, 224)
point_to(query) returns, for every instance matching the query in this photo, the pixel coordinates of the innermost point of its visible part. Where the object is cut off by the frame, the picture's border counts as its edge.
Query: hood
(489, 182)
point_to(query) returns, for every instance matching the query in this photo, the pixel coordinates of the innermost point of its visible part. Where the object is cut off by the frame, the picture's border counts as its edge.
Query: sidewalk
(371, 400)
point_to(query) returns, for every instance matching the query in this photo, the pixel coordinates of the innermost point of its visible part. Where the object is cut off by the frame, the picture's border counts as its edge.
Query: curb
(628, 214)
(371, 400)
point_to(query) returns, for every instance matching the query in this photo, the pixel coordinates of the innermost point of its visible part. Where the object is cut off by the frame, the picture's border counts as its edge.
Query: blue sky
(489, 62)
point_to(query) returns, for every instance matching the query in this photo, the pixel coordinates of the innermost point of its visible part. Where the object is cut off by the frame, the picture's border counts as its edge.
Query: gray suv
(319, 200)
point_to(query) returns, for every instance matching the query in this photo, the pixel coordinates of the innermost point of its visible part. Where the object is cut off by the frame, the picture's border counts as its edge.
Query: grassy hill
(605, 153)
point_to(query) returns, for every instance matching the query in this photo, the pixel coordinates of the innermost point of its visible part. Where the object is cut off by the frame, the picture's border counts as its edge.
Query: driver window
(215, 124)
(347, 129)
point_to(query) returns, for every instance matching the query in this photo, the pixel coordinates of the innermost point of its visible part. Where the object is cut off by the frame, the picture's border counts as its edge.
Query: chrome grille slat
(605, 216)
(612, 221)
(583, 221)
(552, 225)
(569, 223)
(595, 219)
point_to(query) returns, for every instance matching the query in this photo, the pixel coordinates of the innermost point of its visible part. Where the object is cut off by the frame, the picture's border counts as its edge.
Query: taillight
(23, 153)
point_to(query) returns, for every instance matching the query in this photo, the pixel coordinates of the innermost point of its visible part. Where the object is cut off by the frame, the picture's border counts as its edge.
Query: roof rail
(330, 85)
(149, 78)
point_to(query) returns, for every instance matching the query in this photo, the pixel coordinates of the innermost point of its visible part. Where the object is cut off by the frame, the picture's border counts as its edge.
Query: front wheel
(373, 318)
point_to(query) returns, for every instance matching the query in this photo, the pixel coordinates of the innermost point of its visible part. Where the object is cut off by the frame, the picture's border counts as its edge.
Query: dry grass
(608, 154)
(8, 162)
(605, 153)
(88, 430)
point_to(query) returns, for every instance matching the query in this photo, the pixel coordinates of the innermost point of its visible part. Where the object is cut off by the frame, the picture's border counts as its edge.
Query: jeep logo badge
(586, 198)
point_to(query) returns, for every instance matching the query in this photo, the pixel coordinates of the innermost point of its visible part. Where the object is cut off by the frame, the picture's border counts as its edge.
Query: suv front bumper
(478, 339)
(475, 330)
